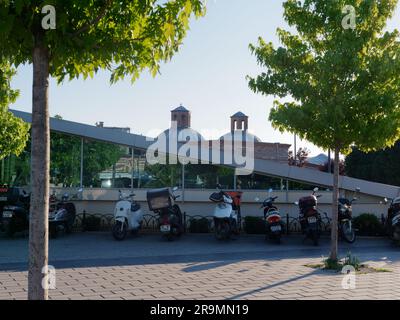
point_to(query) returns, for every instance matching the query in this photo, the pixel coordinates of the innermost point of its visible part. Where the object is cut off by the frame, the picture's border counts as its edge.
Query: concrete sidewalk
(94, 266)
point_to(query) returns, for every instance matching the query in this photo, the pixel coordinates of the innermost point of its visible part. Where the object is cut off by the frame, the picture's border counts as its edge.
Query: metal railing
(192, 223)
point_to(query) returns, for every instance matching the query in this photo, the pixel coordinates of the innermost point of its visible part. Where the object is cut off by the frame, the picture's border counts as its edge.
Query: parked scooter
(62, 214)
(128, 216)
(393, 219)
(14, 210)
(310, 219)
(273, 222)
(227, 215)
(162, 202)
(346, 230)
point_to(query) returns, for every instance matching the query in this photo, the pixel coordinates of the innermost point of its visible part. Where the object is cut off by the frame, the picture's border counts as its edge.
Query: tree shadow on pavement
(276, 284)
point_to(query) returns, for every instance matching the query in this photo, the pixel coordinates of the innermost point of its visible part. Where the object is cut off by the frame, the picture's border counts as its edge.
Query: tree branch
(95, 21)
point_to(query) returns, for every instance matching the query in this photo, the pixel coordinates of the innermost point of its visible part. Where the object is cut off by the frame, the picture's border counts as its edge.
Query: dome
(185, 134)
(240, 135)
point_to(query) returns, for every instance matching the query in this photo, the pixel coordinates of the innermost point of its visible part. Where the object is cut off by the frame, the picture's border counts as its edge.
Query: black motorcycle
(162, 202)
(273, 222)
(310, 218)
(62, 214)
(14, 210)
(393, 220)
(345, 216)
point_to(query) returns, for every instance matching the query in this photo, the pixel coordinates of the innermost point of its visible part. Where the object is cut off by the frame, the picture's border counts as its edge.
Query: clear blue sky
(207, 76)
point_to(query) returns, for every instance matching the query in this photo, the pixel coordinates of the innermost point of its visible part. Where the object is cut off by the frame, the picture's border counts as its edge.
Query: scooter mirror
(316, 189)
(385, 200)
(175, 188)
(270, 190)
(296, 203)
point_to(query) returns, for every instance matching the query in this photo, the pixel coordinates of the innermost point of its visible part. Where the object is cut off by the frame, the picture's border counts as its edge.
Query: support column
(133, 168)
(183, 183)
(81, 173)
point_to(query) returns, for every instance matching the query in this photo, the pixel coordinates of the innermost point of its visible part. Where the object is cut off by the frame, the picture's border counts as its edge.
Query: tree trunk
(335, 199)
(40, 156)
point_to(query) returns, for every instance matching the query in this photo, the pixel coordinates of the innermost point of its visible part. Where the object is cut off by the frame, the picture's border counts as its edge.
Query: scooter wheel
(119, 231)
(348, 236)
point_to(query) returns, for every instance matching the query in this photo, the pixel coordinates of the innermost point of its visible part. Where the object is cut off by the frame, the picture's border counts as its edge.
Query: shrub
(254, 225)
(351, 260)
(92, 223)
(368, 224)
(337, 265)
(199, 225)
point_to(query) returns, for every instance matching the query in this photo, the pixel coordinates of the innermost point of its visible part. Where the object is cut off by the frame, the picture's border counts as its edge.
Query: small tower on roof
(182, 117)
(239, 121)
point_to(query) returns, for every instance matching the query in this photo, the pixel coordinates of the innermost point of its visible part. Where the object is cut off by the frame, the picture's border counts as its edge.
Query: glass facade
(93, 164)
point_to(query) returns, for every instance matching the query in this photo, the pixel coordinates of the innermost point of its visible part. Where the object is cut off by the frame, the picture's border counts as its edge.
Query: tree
(343, 79)
(325, 167)
(68, 39)
(66, 159)
(381, 166)
(13, 131)
(301, 157)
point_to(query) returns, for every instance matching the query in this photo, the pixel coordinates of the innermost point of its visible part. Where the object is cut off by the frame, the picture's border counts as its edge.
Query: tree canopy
(124, 37)
(13, 131)
(343, 83)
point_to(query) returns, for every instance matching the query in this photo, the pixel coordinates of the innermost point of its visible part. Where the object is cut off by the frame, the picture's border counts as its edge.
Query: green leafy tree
(342, 80)
(77, 38)
(13, 131)
(381, 166)
(98, 156)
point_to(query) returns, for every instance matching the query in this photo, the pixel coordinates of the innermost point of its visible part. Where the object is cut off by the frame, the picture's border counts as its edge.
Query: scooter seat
(135, 207)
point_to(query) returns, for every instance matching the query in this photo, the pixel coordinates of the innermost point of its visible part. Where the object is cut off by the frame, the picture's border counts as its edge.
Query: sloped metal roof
(262, 167)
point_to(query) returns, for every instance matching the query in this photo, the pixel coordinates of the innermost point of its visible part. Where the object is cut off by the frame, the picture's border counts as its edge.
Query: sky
(207, 76)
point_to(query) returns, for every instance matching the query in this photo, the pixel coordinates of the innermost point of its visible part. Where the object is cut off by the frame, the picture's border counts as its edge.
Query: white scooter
(227, 218)
(128, 216)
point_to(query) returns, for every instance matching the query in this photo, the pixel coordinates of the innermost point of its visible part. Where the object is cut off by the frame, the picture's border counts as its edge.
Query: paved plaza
(94, 266)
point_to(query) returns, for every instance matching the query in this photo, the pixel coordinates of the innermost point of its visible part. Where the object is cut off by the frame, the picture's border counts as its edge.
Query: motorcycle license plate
(165, 228)
(276, 228)
(312, 220)
(7, 214)
(3, 198)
